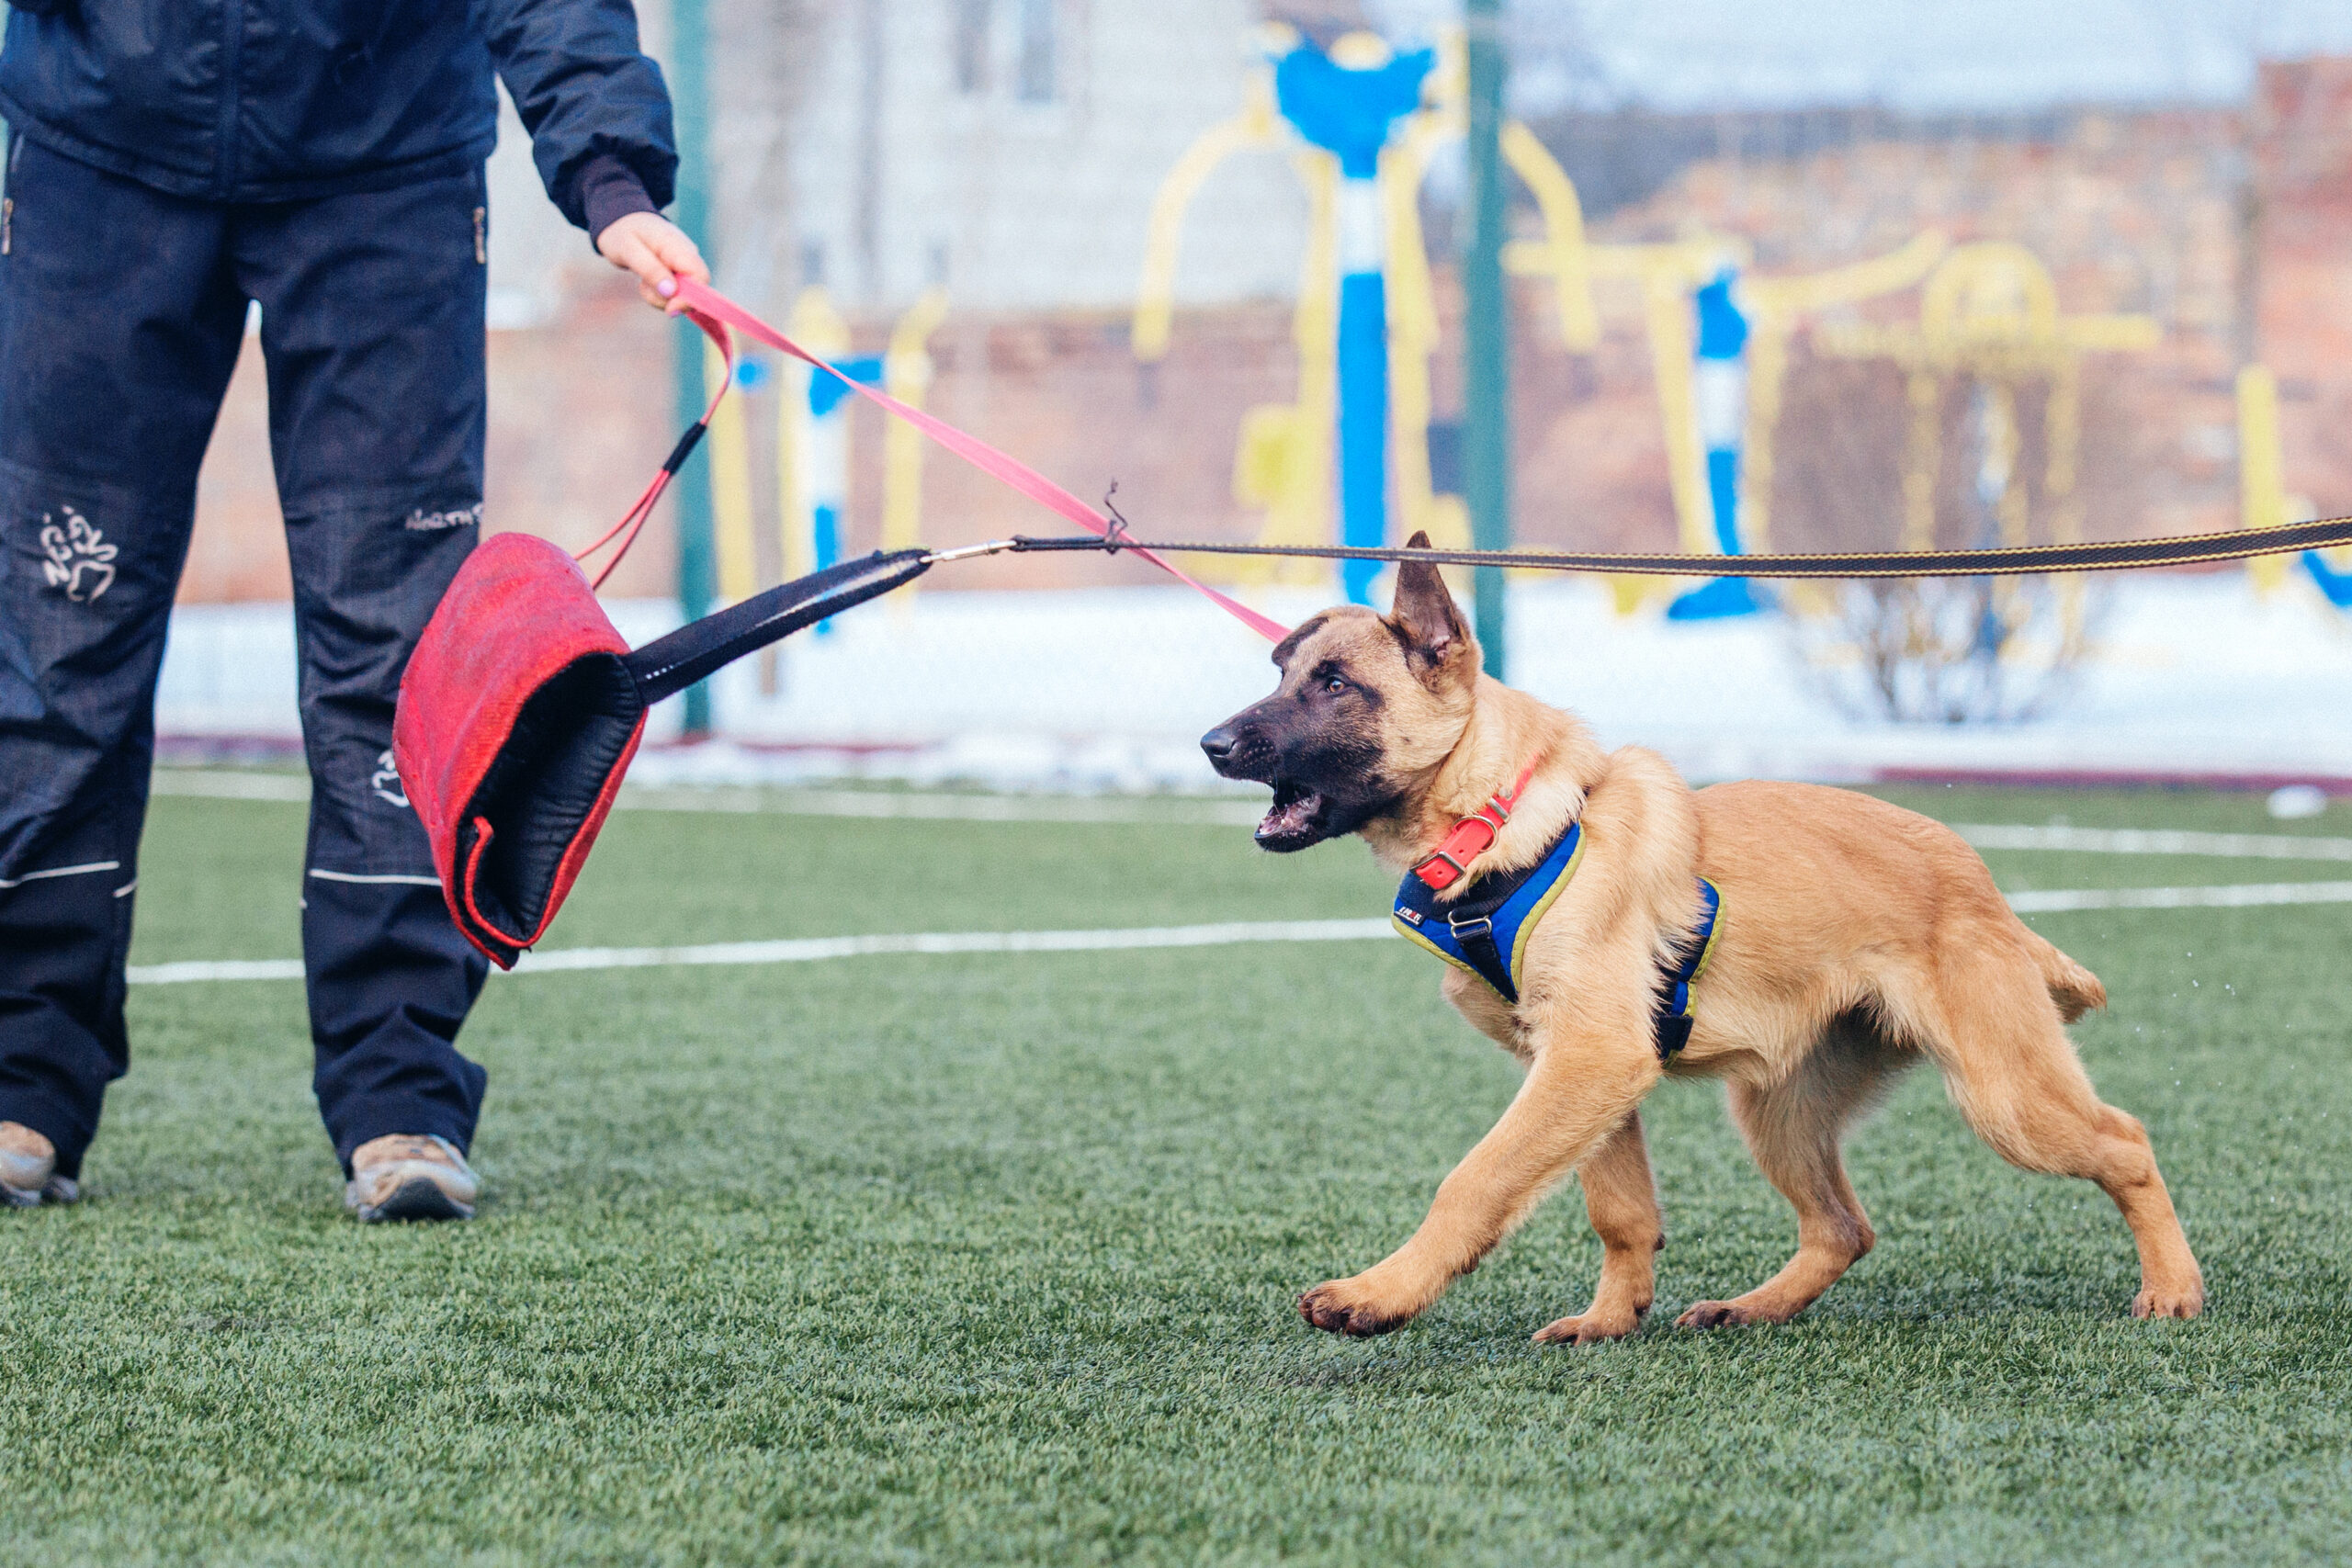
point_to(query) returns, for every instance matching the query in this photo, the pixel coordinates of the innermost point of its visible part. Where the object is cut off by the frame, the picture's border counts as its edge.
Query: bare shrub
(1937, 650)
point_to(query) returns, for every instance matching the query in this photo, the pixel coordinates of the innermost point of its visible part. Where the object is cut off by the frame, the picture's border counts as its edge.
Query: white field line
(808, 950)
(228, 969)
(2244, 896)
(2149, 842)
(222, 784)
(225, 785)
(949, 808)
(812, 950)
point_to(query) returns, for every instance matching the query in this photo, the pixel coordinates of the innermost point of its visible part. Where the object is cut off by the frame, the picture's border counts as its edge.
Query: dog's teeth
(1291, 816)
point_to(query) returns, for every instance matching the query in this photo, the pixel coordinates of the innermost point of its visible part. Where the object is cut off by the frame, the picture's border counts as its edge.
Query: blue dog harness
(1485, 931)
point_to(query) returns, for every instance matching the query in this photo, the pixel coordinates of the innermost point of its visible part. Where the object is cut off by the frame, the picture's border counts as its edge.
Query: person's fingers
(657, 251)
(626, 249)
(654, 285)
(617, 244)
(677, 251)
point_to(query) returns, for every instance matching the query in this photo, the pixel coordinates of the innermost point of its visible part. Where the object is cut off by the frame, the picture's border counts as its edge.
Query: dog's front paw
(1591, 1328)
(2175, 1300)
(1722, 1315)
(1353, 1307)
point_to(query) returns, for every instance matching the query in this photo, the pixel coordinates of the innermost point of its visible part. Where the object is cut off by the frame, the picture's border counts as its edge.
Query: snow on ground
(1108, 689)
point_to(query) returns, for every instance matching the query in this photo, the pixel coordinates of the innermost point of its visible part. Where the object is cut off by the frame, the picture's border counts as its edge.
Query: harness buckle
(1478, 925)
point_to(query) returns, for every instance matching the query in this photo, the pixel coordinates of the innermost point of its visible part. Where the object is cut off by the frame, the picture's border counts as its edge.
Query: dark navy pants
(122, 313)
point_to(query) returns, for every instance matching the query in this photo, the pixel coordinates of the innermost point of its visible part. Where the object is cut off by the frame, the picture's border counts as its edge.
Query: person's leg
(372, 327)
(119, 328)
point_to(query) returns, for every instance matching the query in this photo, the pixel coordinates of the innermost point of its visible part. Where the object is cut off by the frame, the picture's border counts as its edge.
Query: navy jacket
(282, 100)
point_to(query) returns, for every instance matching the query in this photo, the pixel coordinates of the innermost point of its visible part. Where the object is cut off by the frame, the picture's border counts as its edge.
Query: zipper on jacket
(13, 145)
(482, 235)
(232, 52)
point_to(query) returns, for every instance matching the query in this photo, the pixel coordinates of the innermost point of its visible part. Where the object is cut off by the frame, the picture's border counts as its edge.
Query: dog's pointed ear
(1424, 613)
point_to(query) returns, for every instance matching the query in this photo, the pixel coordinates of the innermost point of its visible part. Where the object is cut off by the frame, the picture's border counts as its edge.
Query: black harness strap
(1674, 1013)
(1471, 918)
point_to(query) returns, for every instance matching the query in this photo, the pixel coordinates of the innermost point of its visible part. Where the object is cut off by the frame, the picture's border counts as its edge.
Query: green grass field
(991, 1258)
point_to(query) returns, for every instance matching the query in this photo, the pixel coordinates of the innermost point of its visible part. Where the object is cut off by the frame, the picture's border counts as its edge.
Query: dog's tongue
(1289, 816)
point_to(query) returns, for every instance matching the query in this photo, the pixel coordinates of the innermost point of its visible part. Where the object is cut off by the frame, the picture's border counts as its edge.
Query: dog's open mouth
(1295, 819)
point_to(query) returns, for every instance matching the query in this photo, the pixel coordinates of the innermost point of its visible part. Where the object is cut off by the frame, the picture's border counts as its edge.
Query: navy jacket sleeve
(586, 93)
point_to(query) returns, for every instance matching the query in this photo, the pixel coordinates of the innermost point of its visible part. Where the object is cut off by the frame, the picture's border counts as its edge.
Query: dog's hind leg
(1621, 1197)
(2016, 1078)
(1795, 1129)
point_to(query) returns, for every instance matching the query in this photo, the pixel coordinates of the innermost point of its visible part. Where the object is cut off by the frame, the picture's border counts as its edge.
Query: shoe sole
(416, 1200)
(60, 1190)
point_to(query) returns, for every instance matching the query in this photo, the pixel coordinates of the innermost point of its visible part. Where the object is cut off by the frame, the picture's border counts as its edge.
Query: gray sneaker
(410, 1177)
(29, 1169)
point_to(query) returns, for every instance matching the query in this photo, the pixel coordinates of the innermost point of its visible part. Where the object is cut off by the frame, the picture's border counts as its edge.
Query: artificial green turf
(991, 1258)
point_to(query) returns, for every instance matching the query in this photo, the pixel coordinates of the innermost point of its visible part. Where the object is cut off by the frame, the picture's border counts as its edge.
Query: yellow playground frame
(1988, 314)
(1283, 460)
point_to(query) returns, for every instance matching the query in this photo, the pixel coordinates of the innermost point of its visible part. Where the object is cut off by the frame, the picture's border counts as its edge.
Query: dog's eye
(1335, 686)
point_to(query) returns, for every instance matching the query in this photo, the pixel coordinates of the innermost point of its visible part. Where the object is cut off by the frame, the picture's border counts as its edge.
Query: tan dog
(1855, 940)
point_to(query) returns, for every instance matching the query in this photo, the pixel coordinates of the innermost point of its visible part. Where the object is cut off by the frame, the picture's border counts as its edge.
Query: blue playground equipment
(1719, 388)
(2337, 585)
(829, 459)
(1351, 113)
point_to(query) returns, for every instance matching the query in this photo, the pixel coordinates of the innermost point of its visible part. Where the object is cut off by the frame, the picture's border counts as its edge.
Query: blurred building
(2301, 209)
(2144, 213)
(1009, 150)
(2229, 225)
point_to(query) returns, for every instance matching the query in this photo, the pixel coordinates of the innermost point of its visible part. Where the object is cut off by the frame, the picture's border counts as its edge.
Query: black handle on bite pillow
(669, 665)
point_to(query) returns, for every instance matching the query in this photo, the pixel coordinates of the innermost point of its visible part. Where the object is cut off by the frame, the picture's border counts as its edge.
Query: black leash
(2113, 555)
(670, 664)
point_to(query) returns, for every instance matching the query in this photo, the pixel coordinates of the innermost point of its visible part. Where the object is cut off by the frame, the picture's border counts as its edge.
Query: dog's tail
(2074, 989)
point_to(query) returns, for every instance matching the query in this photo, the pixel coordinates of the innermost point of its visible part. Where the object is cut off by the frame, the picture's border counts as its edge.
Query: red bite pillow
(517, 718)
(522, 706)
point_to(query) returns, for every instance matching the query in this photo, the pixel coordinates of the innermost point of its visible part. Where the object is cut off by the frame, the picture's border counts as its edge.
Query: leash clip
(1115, 534)
(971, 552)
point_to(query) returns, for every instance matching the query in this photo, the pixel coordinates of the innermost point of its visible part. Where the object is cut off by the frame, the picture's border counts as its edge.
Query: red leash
(715, 314)
(633, 521)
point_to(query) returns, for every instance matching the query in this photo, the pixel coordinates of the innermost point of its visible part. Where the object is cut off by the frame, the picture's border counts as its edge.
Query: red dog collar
(1472, 836)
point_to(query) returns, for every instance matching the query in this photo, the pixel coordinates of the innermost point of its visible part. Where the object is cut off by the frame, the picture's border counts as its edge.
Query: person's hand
(656, 250)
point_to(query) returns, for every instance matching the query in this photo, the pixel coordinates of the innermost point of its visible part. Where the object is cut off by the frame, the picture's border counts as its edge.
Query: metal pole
(1487, 351)
(690, 99)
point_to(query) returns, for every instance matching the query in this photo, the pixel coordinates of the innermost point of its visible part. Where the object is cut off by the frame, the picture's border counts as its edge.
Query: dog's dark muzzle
(1241, 748)
(1245, 745)
(1237, 752)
